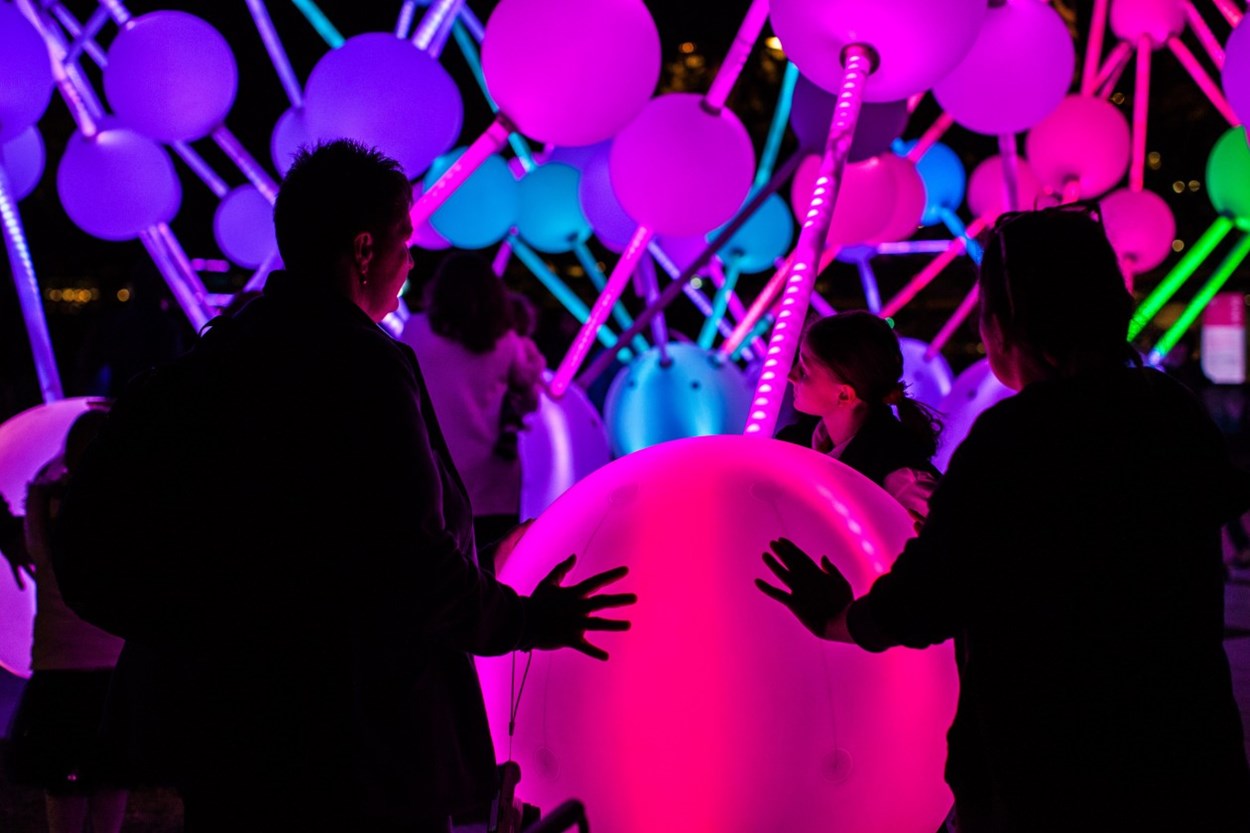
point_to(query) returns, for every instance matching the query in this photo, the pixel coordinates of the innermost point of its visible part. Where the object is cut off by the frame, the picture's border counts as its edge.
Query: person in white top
(474, 363)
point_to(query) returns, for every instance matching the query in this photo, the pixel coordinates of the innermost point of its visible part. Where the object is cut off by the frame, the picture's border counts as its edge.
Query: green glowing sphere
(1228, 177)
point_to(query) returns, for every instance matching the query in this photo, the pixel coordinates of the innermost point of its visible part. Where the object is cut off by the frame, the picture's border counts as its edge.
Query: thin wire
(514, 697)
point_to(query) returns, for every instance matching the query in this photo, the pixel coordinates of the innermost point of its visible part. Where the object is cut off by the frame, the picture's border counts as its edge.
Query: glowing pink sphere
(1084, 140)
(718, 711)
(566, 440)
(909, 200)
(974, 390)
(571, 72)
(117, 183)
(1236, 72)
(1155, 19)
(864, 204)
(927, 380)
(243, 227)
(27, 441)
(27, 73)
(1017, 72)
(170, 76)
(1140, 227)
(987, 189)
(917, 41)
(22, 159)
(387, 93)
(680, 169)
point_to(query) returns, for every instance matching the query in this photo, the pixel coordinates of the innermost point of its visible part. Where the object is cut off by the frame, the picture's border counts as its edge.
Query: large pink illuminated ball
(1157, 20)
(927, 380)
(864, 203)
(22, 159)
(973, 390)
(987, 189)
(564, 442)
(1085, 141)
(718, 711)
(680, 169)
(811, 114)
(611, 222)
(27, 441)
(27, 73)
(1236, 72)
(909, 200)
(1140, 227)
(916, 41)
(117, 183)
(571, 72)
(387, 93)
(1017, 72)
(243, 227)
(170, 76)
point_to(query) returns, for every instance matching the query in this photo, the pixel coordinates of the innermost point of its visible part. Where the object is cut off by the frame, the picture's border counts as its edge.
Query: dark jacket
(307, 557)
(1072, 551)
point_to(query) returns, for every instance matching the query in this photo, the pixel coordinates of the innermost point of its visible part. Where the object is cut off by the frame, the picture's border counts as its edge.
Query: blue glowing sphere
(117, 183)
(945, 181)
(764, 237)
(23, 158)
(27, 73)
(692, 396)
(243, 227)
(482, 210)
(388, 94)
(549, 216)
(612, 224)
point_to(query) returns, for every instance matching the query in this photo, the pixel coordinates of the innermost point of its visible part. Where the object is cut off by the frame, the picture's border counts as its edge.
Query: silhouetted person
(1072, 553)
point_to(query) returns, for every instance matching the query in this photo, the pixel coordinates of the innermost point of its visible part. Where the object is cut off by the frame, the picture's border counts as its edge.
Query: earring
(364, 277)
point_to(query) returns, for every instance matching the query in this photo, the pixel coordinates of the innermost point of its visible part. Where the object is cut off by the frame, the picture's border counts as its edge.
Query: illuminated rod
(483, 146)
(1204, 34)
(621, 273)
(748, 323)
(431, 35)
(1204, 82)
(247, 165)
(201, 169)
(670, 293)
(84, 36)
(79, 106)
(777, 130)
(1109, 74)
(619, 314)
(717, 273)
(647, 286)
(196, 313)
(121, 15)
(1011, 170)
(914, 247)
(562, 292)
(1195, 307)
(868, 280)
(731, 68)
(1230, 11)
(720, 303)
(257, 282)
(931, 270)
(1180, 273)
(500, 264)
(761, 329)
(1093, 48)
(27, 287)
(313, 14)
(407, 13)
(1141, 103)
(783, 342)
(965, 308)
(956, 226)
(930, 137)
(703, 305)
(277, 54)
(469, 50)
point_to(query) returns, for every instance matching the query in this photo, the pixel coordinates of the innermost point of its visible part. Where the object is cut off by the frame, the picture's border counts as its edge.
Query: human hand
(817, 594)
(560, 616)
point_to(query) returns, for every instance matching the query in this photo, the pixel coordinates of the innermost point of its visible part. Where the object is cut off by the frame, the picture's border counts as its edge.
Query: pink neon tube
(736, 58)
(934, 268)
(1110, 72)
(599, 312)
(432, 22)
(1141, 105)
(1204, 82)
(192, 306)
(495, 137)
(1093, 50)
(1230, 11)
(935, 132)
(965, 308)
(1204, 34)
(783, 343)
(243, 160)
(762, 303)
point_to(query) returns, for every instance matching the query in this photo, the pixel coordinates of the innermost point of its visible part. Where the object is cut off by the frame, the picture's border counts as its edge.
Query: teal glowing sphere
(482, 210)
(945, 181)
(549, 215)
(764, 237)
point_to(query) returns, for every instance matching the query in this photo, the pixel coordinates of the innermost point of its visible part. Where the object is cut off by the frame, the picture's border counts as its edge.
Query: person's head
(468, 303)
(1053, 299)
(82, 432)
(851, 364)
(522, 314)
(341, 216)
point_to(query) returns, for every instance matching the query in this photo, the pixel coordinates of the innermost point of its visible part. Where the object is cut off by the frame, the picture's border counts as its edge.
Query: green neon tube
(1195, 307)
(1180, 273)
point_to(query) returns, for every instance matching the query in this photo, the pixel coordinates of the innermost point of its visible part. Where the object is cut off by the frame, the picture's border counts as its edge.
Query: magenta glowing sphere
(718, 711)
(549, 216)
(974, 390)
(570, 72)
(170, 76)
(27, 73)
(1084, 140)
(1236, 72)
(909, 200)
(987, 189)
(864, 203)
(387, 93)
(1140, 227)
(1158, 20)
(1017, 72)
(680, 169)
(917, 41)
(290, 133)
(22, 159)
(566, 440)
(423, 234)
(27, 442)
(243, 227)
(117, 183)
(811, 113)
(927, 380)
(612, 224)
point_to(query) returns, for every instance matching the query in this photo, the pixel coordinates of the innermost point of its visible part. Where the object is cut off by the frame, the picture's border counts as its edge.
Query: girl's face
(817, 391)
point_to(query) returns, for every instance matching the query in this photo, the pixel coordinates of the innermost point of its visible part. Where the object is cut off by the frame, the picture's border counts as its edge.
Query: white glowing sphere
(27, 442)
(1157, 20)
(718, 711)
(974, 390)
(566, 440)
(927, 380)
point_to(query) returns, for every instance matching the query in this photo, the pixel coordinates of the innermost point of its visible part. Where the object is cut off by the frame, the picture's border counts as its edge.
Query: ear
(362, 251)
(846, 394)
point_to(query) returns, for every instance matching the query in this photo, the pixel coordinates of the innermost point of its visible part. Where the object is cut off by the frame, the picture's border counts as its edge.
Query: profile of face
(1004, 358)
(817, 390)
(385, 260)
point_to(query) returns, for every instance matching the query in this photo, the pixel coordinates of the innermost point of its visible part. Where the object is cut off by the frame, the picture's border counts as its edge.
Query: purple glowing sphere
(1140, 227)
(27, 73)
(987, 189)
(571, 72)
(117, 183)
(1016, 73)
(388, 94)
(927, 380)
(682, 251)
(909, 200)
(566, 441)
(973, 390)
(549, 216)
(680, 169)
(290, 133)
(880, 123)
(243, 227)
(612, 223)
(170, 76)
(864, 203)
(22, 159)
(1236, 72)
(916, 41)
(1084, 142)
(1158, 20)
